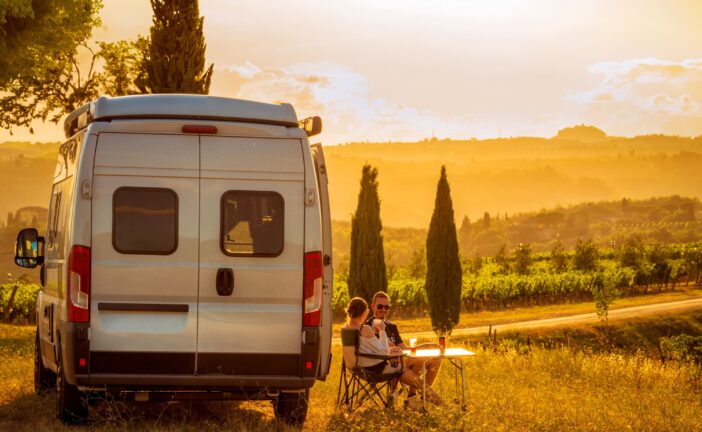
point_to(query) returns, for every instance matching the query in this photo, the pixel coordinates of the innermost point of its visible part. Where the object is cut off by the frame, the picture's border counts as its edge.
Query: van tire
(291, 408)
(44, 379)
(71, 405)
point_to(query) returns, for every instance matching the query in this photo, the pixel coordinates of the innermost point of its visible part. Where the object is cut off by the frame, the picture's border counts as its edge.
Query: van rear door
(328, 270)
(145, 219)
(251, 256)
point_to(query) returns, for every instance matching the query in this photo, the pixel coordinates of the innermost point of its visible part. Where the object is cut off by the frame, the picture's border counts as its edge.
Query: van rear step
(186, 395)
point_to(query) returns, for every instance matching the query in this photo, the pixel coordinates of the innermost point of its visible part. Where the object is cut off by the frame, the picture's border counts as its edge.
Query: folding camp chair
(358, 385)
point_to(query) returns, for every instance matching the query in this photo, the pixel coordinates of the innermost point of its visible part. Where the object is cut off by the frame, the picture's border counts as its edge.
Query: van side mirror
(311, 125)
(29, 249)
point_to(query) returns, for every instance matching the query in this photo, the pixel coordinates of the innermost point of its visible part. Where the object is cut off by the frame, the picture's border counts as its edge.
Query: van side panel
(81, 224)
(313, 212)
(328, 269)
(143, 304)
(58, 239)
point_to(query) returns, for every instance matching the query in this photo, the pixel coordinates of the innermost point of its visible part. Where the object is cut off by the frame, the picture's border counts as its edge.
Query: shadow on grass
(184, 415)
(635, 335)
(448, 417)
(32, 413)
(27, 413)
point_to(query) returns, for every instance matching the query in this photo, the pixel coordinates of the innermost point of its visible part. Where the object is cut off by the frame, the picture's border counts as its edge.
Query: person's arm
(374, 344)
(367, 332)
(400, 343)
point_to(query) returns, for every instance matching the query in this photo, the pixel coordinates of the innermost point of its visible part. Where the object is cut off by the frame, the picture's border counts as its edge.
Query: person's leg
(433, 367)
(414, 364)
(415, 384)
(411, 380)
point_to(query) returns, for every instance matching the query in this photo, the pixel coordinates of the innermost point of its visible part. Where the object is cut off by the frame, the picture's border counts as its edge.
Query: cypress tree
(175, 60)
(367, 272)
(464, 235)
(443, 283)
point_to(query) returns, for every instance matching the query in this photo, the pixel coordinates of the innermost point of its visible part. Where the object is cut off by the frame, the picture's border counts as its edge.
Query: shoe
(392, 400)
(414, 402)
(434, 397)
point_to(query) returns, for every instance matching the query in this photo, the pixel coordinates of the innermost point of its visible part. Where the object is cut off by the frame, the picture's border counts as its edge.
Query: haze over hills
(664, 220)
(515, 177)
(512, 175)
(498, 176)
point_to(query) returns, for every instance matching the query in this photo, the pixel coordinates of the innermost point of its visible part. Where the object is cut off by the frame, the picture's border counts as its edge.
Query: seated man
(380, 307)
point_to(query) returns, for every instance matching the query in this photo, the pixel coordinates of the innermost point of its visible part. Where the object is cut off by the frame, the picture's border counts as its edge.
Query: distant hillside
(513, 175)
(671, 219)
(582, 133)
(26, 171)
(498, 176)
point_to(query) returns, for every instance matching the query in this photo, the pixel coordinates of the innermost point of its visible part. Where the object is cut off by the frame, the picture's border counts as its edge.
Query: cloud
(646, 95)
(341, 96)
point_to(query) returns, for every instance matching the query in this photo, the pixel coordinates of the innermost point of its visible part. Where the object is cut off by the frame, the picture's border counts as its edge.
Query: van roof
(179, 106)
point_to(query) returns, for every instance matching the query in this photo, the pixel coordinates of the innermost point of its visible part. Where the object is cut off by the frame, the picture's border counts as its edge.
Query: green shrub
(23, 304)
(683, 348)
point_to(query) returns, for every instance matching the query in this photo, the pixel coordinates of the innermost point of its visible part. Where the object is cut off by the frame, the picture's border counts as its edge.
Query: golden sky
(409, 69)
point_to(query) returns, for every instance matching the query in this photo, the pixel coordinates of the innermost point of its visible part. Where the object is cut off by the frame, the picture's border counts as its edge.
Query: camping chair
(358, 385)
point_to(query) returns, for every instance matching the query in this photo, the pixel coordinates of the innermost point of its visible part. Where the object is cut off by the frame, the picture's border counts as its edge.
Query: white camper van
(187, 255)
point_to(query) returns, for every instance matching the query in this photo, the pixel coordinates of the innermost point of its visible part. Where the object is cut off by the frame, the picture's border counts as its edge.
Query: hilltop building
(27, 216)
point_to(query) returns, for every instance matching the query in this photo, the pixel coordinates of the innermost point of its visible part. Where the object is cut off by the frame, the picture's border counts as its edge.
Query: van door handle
(225, 281)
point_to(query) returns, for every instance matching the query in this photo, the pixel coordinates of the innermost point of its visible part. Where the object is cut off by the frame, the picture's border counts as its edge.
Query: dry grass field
(548, 385)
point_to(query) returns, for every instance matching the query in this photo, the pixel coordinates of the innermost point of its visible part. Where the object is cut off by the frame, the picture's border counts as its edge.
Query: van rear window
(252, 223)
(145, 221)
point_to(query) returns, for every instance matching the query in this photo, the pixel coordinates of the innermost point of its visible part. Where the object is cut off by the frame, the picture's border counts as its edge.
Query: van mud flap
(310, 352)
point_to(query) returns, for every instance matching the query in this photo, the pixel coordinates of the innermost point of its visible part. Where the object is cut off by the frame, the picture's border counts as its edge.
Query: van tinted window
(145, 221)
(252, 223)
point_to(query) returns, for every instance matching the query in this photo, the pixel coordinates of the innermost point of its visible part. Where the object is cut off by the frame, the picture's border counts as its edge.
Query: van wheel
(291, 408)
(71, 406)
(44, 379)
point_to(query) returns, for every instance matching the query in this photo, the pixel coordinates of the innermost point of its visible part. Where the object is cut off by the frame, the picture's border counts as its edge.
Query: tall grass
(509, 388)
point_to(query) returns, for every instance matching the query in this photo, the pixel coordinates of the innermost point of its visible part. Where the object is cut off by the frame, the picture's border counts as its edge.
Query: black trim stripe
(143, 307)
(163, 363)
(248, 364)
(153, 363)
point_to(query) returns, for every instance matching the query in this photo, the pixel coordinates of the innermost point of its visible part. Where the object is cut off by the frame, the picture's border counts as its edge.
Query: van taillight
(78, 290)
(313, 290)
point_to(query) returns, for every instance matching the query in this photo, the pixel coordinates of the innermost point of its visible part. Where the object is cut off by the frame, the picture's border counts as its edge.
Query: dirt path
(614, 315)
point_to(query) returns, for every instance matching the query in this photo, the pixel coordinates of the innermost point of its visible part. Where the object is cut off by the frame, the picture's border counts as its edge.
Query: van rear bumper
(194, 382)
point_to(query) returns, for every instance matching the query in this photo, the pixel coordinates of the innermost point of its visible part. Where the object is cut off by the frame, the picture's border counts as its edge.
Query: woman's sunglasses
(381, 307)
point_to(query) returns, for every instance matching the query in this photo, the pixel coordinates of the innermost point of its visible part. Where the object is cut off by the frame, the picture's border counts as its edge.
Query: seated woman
(357, 312)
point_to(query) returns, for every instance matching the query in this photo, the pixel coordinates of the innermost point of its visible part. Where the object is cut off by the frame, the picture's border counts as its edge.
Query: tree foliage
(604, 291)
(39, 73)
(502, 260)
(367, 271)
(175, 60)
(123, 66)
(418, 265)
(632, 252)
(523, 258)
(444, 275)
(559, 258)
(586, 256)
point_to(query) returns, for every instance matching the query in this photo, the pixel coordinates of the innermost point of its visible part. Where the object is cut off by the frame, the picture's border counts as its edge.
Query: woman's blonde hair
(356, 307)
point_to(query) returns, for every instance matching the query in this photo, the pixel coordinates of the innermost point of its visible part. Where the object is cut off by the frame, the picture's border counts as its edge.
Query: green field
(594, 377)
